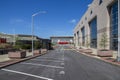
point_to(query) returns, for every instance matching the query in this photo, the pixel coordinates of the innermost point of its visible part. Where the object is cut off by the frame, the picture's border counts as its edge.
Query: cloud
(14, 21)
(19, 20)
(73, 21)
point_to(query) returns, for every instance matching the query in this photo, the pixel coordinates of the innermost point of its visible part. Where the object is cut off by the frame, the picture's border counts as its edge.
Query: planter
(43, 50)
(17, 54)
(104, 53)
(88, 51)
(5, 51)
(36, 52)
(81, 50)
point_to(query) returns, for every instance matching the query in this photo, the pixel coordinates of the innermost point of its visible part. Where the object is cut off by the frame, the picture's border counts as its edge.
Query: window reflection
(114, 26)
(93, 33)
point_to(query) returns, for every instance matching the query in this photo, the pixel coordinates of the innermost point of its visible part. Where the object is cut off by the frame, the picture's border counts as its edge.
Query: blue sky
(60, 19)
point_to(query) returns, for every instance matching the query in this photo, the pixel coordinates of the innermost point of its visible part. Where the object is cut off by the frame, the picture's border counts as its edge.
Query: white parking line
(18, 72)
(62, 64)
(62, 72)
(46, 60)
(42, 65)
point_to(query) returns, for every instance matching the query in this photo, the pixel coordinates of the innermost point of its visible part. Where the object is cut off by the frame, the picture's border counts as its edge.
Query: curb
(99, 58)
(21, 60)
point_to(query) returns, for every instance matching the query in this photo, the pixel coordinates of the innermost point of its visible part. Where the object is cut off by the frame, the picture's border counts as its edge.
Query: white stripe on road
(62, 64)
(18, 72)
(43, 65)
(62, 72)
(46, 60)
(49, 58)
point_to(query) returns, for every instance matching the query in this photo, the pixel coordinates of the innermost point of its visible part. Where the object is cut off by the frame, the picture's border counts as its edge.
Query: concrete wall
(9, 38)
(101, 12)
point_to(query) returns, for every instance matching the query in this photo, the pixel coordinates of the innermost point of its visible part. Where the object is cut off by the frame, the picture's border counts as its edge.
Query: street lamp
(118, 54)
(35, 14)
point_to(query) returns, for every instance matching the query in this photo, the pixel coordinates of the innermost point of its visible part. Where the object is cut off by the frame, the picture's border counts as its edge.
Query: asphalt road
(61, 64)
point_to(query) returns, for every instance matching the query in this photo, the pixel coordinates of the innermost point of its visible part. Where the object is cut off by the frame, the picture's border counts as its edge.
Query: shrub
(22, 45)
(87, 42)
(37, 45)
(5, 45)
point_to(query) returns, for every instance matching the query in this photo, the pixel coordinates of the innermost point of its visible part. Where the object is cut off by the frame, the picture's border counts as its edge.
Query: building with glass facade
(100, 18)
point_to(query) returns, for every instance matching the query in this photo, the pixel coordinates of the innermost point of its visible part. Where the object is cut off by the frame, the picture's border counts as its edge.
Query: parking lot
(47, 67)
(63, 63)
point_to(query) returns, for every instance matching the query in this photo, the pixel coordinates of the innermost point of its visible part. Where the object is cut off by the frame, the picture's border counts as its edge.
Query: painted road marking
(62, 64)
(18, 72)
(42, 65)
(68, 49)
(63, 59)
(46, 60)
(62, 72)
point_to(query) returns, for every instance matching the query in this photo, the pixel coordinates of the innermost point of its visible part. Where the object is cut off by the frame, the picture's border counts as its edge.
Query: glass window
(91, 12)
(85, 18)
(100, 2)
(114, 26)
(78, 37)
(83, 36)
(93, 33)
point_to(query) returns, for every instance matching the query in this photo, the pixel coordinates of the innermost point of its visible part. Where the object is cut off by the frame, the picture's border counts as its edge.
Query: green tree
(87, 42)
(104, 40)
(44, 45)
(37, 44)
(18, 45)
(21, 45)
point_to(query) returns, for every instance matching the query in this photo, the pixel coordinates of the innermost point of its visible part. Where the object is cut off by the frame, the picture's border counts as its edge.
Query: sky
(60, 18)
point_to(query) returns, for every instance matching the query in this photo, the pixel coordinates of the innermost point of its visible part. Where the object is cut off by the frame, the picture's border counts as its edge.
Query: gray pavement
(61, 64)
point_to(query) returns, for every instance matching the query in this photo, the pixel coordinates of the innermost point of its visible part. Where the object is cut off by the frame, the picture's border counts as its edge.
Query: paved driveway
(61, 64)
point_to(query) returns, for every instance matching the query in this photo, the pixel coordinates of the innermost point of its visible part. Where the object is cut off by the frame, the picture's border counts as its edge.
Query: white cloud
(14, 21)
(19, 20)
(73, 21)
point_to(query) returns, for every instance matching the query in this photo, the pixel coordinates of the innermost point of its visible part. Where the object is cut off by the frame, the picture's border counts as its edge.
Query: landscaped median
(19, 56)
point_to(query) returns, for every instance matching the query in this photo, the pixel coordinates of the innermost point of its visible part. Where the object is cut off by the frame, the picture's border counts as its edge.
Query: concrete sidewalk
(6, 62)
(6, 58)
(110, 60)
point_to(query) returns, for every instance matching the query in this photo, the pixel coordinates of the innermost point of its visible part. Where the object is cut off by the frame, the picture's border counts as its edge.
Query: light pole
(118, 54)
(33, 27)
(14, 37)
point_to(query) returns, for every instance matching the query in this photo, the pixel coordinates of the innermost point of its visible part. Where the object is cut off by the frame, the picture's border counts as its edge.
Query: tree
(21, 45)
(5, 45)
(87, 42)
(37, 45)
(44, 45)
(80, 44)
(104, 40)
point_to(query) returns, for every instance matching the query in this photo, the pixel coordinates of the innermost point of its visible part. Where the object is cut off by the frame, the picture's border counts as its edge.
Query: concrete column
(76, 40)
